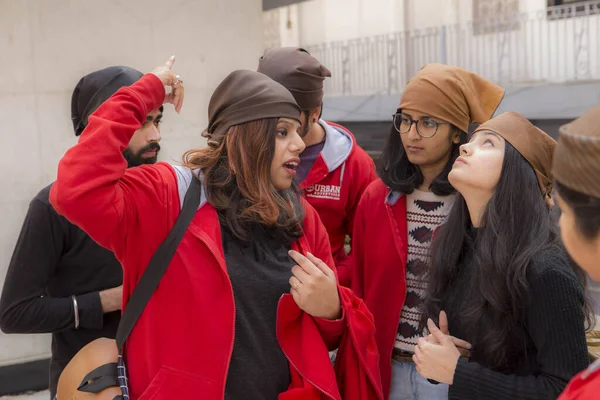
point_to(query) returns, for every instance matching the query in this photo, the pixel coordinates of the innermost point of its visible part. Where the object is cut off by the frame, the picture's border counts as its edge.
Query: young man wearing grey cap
(334, 171)
(59, 280)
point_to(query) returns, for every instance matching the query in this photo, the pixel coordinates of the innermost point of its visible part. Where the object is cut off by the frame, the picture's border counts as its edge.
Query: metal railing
(555, 45)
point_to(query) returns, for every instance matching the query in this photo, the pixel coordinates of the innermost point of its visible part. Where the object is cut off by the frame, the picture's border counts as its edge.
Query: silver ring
(297, 285)
(178, 81)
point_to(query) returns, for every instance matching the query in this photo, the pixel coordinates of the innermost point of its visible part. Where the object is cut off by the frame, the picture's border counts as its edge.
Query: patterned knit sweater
(425, 211)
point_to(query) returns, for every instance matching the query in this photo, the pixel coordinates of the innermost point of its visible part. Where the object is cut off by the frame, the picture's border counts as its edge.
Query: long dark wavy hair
(399, 174)
(238, 182)
(515, 227)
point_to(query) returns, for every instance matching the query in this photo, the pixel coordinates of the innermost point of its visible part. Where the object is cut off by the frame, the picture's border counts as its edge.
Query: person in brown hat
(576, 173)
(398, 213)
(499, 278)
(249, 303)
(334, 171)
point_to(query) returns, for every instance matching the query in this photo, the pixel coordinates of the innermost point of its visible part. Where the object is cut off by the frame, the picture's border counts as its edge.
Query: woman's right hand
(168, 78)
(463, 346)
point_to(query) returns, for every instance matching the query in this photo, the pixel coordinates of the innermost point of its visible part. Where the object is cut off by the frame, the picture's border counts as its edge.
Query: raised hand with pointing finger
(168, 78)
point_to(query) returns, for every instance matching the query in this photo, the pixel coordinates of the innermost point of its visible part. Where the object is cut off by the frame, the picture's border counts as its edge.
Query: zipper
(342, 175)
(396, 232)
(294, 366)
(224, 268)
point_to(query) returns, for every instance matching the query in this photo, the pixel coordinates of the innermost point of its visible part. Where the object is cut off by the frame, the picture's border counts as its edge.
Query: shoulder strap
(158, 264)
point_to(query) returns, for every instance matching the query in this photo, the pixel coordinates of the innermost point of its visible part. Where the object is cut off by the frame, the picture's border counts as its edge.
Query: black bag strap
(158, 264)
(99, 379)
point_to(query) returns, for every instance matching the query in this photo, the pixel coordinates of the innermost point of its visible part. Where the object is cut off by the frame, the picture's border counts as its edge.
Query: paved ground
(45, 395)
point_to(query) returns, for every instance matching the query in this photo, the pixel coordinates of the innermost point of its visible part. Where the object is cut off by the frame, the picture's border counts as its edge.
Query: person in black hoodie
(499, 277)
(59, 280)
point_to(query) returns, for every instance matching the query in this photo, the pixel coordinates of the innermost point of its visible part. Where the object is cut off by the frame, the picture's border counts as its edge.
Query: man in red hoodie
(334, 171)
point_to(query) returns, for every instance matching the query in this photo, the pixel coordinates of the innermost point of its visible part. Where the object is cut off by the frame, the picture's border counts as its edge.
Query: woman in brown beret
(577, 181)
(398, 213)
(499, 276)
(249, 305)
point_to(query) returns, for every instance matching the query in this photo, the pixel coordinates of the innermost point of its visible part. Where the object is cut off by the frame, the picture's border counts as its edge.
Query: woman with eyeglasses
(398, 213)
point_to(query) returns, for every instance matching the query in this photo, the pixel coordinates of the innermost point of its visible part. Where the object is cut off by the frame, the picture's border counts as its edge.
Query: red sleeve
(331, 330)
(363, 173)
(585, 386)
(94, 189)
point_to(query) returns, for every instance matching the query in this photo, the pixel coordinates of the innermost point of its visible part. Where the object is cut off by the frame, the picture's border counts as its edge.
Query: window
(561, 9)
(552, 3)
(491, 16)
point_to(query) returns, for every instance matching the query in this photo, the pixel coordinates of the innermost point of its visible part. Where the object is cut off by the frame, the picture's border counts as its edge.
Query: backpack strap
(159, 263)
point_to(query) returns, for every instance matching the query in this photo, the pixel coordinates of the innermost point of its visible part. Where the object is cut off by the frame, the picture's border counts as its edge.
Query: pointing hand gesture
(168, 78)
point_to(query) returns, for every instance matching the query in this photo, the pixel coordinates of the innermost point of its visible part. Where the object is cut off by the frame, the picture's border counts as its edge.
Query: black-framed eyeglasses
(426, 127)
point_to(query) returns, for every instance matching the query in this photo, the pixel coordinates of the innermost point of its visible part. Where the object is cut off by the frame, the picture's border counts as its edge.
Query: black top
(553, 324)
(53, 260)
(259, 271)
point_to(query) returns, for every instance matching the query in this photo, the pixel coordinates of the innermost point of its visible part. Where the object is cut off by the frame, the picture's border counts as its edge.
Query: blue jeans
(407, 384)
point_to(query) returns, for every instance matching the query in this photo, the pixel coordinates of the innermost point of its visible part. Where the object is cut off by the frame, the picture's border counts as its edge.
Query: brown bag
(102, 351)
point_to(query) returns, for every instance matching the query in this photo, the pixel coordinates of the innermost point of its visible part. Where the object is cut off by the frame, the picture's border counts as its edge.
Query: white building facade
(545, 52)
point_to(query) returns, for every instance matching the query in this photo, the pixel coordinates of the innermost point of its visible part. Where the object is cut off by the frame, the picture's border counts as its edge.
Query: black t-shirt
(52, 261)
(259, 271)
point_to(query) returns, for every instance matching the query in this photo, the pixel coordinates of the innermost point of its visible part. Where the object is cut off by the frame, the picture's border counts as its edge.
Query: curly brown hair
(238, 182)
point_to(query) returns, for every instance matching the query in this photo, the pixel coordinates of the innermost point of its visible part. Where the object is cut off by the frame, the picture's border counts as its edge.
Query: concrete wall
(334, 20)
(331, 20)
(46, 46)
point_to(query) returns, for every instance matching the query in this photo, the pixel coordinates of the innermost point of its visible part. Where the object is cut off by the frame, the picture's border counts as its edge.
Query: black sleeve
(555, 321)
(24, 305)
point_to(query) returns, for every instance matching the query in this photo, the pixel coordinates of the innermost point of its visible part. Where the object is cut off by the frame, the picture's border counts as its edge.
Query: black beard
(136, 159)
(304, 128)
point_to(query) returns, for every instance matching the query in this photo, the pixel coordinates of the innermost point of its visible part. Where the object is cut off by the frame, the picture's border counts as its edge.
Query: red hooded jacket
(379, 265)
(585, 386)
(334, 186)
(182, 343)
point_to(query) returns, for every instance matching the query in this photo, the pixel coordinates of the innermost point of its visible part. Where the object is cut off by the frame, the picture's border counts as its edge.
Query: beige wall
(46, 46)
(331, 20)
(320, 21)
